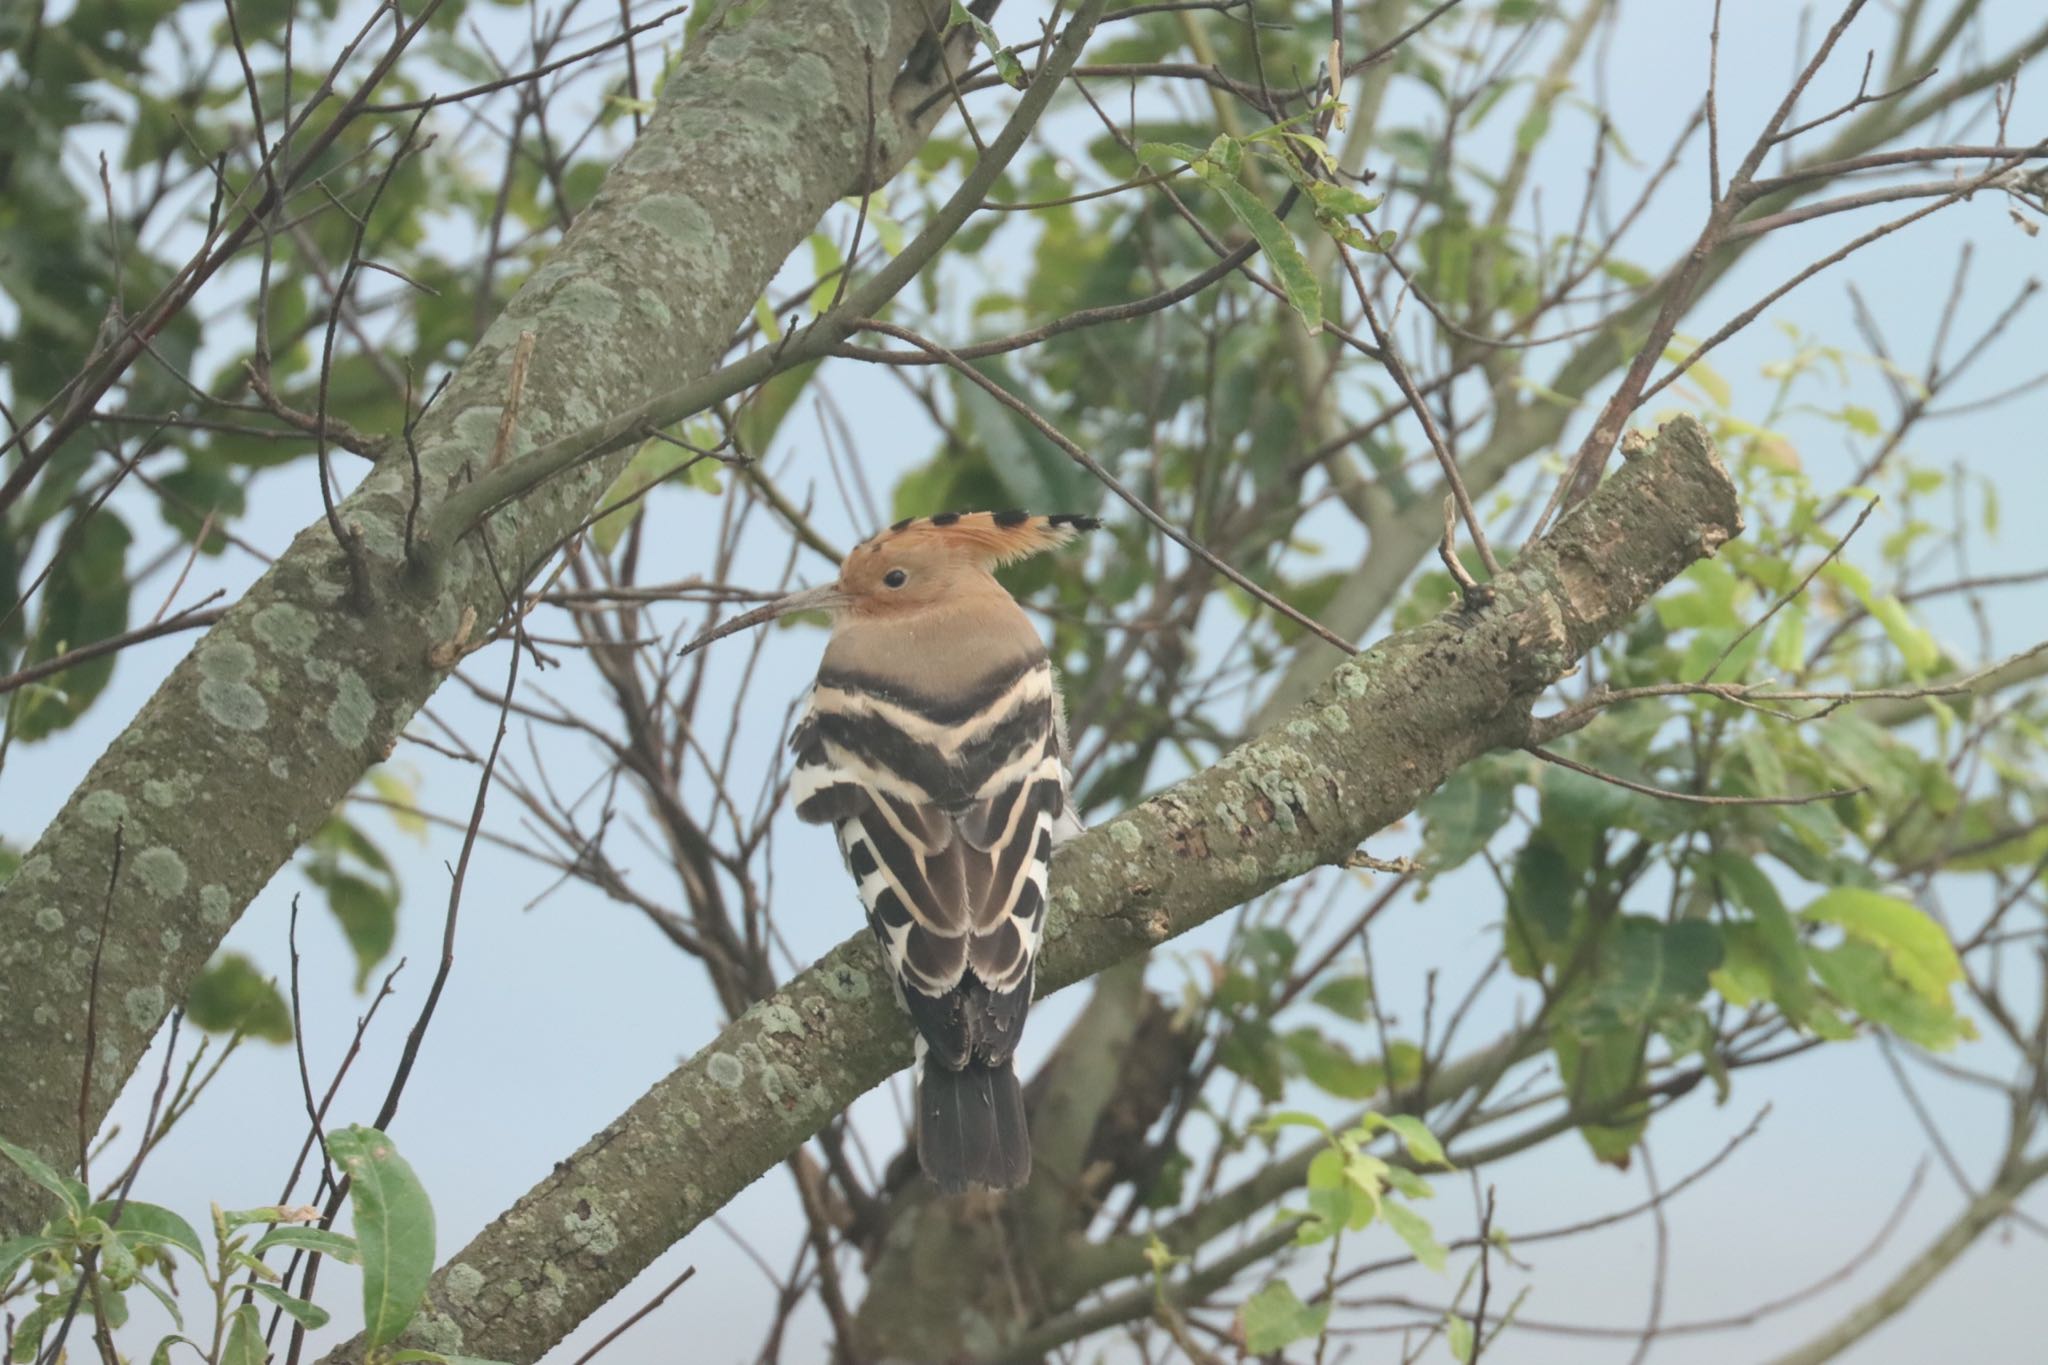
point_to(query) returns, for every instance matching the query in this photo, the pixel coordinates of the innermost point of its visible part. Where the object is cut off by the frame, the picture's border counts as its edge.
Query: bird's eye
(895, 578)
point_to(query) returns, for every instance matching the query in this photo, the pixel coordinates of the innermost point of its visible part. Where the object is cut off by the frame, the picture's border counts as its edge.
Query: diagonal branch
(1383, 731)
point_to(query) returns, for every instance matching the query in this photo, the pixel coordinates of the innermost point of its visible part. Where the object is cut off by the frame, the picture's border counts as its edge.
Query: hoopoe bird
(933, 743)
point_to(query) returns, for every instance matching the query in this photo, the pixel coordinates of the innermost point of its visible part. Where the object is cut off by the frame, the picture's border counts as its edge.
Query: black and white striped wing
(946, 814)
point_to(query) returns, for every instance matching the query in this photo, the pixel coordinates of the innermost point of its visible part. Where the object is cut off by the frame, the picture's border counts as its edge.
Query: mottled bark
(280, 708)
(1380, 734)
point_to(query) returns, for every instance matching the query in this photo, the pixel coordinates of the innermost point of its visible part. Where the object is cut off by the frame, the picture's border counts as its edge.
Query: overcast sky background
(558, 1017)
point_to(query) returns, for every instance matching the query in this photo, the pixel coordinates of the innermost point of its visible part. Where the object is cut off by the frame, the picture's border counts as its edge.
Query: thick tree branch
(254, 738)
(1383, 731)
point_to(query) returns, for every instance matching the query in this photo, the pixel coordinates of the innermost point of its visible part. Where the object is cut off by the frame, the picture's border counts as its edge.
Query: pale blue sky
(556, 1019)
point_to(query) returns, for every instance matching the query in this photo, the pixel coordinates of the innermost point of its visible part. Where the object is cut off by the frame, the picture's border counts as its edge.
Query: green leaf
(1859, 976)
(1598, 1070)
(320, 1240)
(152, 1225)
(15, 1252)
(170, 1304)
(1777, 937)
(312, 1315)
(1275, 1318)
(1458, 1336)
(827, 263)
(245, 1338)
(1031, 470)
(1540, 899)
(1412, 1228)
(368, 915)
(43, 1173)
(1165, 156)
(231, 994)
(1333, 1070)
(162, 1354)
(1415, 1136)
(28, 1333)
(1289, 1118)
(1007, 65)
(1296, 279)
(1917, 949)
(653, 462)
(400, 791)
(85, 600)
(1914, 644)
(394, 1224)
(1459, 817)
(760, 418)
(1340, 199)
(1349, 996)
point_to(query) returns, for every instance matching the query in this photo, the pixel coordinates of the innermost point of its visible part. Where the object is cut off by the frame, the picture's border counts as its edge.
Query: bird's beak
(826, 598)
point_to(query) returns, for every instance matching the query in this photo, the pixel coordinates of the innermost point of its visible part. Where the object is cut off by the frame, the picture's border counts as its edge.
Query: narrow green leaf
(1412, 1228)
(1007, 65)
(311, 1314)
(326, 1243)
(1273, 1123)
(1165, 156)
(394, 1229)
(245, 1338)
(1275, 1318)
(1777, 937)
(1274, 240)
(43, 1173)
(1458, 1335)
(1913, 642)
(162, 1354)
(170, 1304)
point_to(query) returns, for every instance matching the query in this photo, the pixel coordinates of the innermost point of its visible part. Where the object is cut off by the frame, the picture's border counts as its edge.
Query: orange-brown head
(921, 565)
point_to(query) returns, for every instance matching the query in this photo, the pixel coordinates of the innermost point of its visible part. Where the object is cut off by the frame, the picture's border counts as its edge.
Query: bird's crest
(988, 538)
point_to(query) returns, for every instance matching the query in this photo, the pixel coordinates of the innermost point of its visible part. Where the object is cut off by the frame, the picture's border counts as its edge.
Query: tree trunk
(275, 715)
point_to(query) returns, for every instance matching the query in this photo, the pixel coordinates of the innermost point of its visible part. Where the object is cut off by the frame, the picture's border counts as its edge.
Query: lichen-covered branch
(1381, 733)
(253, 739)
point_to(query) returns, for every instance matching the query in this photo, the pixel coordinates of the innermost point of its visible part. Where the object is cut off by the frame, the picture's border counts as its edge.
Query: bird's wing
(945, 813)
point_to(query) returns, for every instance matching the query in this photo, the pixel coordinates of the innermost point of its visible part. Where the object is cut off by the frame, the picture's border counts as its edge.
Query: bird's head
(919, 565)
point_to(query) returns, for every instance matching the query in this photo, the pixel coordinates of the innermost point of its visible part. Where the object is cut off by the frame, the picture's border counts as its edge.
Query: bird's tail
(970, 1126)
